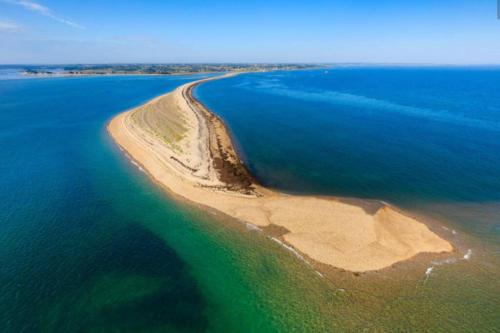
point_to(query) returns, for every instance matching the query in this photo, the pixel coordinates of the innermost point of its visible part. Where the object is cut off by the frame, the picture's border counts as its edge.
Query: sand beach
(188, 150)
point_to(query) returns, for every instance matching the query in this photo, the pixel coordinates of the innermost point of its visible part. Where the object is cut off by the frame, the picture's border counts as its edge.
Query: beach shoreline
(188, 150)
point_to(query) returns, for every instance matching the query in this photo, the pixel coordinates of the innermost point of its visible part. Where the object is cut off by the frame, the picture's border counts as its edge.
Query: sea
(88, 243)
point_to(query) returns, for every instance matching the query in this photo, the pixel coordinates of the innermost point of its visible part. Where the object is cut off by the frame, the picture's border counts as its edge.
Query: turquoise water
(62, 225)
(89, 244)
(423, 138)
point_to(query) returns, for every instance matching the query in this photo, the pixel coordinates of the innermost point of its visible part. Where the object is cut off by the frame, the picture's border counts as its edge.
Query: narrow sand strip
(187, 149)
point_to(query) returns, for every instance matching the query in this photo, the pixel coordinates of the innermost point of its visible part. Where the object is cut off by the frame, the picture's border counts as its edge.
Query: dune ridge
(188, 149)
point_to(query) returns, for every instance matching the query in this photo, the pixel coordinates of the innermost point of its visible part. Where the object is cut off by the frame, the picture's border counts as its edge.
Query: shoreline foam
(188, 150)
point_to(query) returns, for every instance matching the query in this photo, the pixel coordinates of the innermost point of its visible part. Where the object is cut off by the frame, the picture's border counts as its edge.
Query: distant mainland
(155, 69)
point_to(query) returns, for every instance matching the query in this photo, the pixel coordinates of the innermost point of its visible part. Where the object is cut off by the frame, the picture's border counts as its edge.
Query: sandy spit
(187, 148)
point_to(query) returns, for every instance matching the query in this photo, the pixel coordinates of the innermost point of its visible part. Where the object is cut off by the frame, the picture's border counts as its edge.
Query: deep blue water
(423, 138)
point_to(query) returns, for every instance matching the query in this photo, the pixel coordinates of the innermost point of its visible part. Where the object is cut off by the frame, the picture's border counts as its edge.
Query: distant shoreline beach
(187, 149)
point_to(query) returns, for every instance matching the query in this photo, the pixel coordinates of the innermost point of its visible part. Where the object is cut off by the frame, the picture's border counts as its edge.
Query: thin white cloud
(42, 10)
(8, 27)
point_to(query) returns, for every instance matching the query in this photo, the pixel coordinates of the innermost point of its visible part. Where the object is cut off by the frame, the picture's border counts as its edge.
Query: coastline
(188, 150)
(54, 75)
(174, 73)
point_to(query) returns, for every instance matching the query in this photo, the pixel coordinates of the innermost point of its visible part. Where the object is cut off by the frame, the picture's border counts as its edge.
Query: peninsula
(187, 149)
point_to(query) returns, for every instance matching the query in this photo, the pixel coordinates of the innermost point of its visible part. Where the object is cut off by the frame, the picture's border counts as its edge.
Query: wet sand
(188, 149)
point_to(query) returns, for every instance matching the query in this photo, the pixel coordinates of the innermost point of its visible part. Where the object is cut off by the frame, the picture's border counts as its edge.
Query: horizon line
(253, 63)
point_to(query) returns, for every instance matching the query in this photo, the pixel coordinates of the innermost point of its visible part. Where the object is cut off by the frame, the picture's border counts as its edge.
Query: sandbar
(188, 149)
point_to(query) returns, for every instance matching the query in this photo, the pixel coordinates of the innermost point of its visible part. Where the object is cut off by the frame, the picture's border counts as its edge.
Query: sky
(312, 31)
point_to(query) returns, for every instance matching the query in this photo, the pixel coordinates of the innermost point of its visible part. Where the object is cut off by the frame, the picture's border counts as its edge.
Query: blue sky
(384, 31)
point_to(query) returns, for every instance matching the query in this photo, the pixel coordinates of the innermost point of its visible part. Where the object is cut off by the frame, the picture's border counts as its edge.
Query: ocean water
(89, 244)
(421, 138)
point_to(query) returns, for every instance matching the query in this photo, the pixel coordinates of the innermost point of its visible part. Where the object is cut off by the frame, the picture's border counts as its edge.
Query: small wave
(435, 263)
(291, 249)
(137, 165)
(428, 272)
(134, 162)
(444, 261)
(468, 254)
(252, 227)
